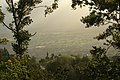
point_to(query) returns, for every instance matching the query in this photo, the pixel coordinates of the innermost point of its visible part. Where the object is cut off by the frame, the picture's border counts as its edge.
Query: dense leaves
(97, 67)
(15, 68)
(65, 67)
(95, 18)
(102, 12)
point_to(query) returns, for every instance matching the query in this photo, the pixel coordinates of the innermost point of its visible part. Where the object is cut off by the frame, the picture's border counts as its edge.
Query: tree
(103, 12)
(21, 11)
(21, 18)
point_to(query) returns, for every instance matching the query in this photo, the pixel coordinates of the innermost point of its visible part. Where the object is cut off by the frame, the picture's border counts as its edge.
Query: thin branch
(19, 21)
(108, 48)
(109, 22)
(8, 26)
(8, 3)
(34, 34)
(40, 6)
(14, 15)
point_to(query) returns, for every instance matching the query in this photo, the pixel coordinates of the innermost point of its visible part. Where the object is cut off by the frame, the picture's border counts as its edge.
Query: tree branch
(8, 26)
(39, 6)
(34, 34)
(8, 3)
(108, 47)
(109, 22)
(14, 16)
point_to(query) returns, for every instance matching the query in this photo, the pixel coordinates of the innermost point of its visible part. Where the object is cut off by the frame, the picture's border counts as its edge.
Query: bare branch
(34, 34)
(109, 22)
(108, 48)
(8, 26)
(8, 3)
(40, 6)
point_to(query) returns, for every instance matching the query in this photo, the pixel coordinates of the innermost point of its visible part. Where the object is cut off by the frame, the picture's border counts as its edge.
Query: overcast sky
(64, 18)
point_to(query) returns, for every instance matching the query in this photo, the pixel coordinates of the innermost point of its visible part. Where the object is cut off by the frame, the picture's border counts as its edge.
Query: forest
(97, 66)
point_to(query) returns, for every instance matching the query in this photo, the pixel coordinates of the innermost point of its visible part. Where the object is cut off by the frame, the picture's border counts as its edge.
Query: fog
(59, 32)
(62, 19)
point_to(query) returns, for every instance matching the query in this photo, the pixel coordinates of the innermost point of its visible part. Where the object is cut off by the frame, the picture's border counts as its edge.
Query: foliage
(50, 9)
(101, 67)
(98, 67)
(37, 72)
(103, 12)
(21, 11)
(65, 67)
(15, 68)
(1, 15)
(4, 40)
(4, 54)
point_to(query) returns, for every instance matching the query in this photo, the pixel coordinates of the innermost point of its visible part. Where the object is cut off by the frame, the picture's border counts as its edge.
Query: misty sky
(64, 18)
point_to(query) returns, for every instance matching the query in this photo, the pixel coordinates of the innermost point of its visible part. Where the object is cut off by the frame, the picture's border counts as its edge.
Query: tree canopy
(21, 11)
(98, 67)
(103, 12)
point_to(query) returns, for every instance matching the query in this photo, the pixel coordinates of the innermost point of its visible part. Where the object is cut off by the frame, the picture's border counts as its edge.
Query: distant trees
(65, 67)
(98, 67)
(20, 67)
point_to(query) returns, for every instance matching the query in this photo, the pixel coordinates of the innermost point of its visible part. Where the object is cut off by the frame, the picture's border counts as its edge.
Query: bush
(15, 68)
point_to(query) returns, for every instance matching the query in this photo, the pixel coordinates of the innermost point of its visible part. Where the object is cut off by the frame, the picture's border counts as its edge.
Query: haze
(64, 24)
(62, 19)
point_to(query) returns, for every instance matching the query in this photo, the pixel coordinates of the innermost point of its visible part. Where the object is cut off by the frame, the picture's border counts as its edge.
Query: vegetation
(103, 12)
(98, 67)
(21, 11)
(59, 68)
(15, 68)
(4, 40)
